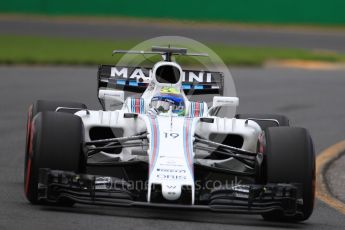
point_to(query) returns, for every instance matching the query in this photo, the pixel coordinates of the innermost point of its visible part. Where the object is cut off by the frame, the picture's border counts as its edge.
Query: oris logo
(171, 174)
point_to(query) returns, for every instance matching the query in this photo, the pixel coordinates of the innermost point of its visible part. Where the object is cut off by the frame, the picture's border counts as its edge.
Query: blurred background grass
(75, 51)
(252, 15)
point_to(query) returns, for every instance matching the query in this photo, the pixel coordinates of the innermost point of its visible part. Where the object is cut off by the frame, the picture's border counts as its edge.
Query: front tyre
(56, 142)
(44, 106)
(290, 158)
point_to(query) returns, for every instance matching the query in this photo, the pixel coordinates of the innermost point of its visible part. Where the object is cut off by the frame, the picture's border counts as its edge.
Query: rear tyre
(56, 142)
(283, 120)
(290, 158)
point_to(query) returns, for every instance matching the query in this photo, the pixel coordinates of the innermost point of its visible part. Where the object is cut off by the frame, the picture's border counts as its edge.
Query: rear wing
(135, 79)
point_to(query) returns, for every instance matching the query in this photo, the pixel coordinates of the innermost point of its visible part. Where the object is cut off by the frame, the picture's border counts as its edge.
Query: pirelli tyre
(264, 119)
(44, 106)
(289, 158)
(56, 142)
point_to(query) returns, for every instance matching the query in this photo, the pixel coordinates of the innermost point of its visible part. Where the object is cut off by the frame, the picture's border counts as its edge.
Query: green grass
(73, 51)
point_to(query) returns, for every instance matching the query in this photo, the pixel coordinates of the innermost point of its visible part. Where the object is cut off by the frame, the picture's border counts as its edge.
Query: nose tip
(171, 191)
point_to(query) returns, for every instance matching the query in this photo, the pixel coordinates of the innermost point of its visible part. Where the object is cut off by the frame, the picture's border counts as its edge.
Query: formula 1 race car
(160, 149)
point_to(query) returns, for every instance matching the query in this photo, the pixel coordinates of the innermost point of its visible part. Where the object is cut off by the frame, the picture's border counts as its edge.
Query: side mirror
(225, 101)
(111, 98)
(219, 101)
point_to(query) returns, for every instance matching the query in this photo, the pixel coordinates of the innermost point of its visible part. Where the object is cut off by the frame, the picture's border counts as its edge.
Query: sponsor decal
(172, 170)
(170, 176)
(171, 186)
(103, 183)
(146, 74)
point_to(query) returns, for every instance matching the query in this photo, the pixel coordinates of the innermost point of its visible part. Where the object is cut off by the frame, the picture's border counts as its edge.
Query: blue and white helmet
(168, 98)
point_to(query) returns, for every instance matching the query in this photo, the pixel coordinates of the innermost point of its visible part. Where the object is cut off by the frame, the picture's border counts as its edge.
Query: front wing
(55, 185)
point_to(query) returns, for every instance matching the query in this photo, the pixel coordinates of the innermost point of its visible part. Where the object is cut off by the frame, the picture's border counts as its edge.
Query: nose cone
(171, 191)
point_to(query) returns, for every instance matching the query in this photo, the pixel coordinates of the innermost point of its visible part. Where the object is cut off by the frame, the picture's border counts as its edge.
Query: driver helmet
(166, 98)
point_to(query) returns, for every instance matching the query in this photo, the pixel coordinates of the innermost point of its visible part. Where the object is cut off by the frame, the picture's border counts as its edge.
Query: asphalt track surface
(329, 40)
(334, 176)
(311, 99)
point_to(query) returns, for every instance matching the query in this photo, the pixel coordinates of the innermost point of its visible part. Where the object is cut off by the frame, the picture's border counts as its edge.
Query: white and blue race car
(161, 149)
